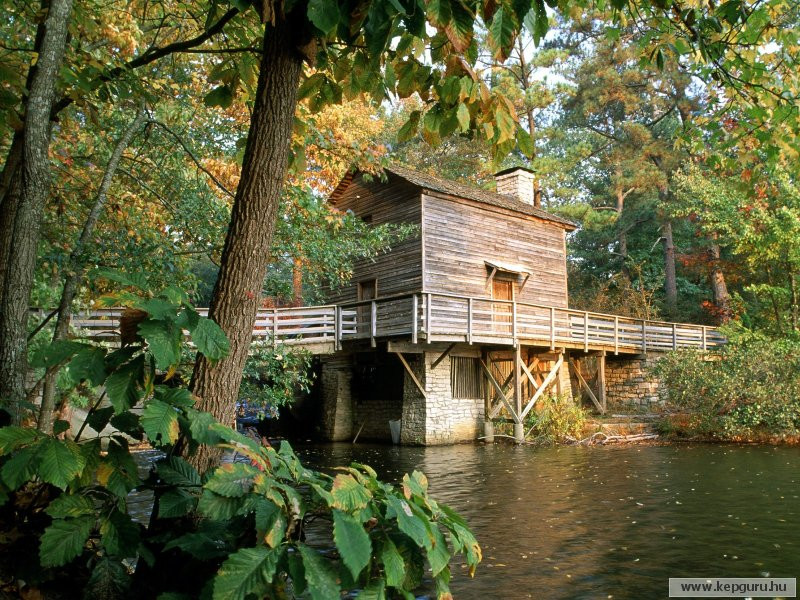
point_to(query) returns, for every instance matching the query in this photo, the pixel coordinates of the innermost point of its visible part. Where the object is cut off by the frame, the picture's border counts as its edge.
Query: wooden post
(373, 322)
(469, 320)
(274, 327)
(644, 336)
(552, 328)
(705, 346)
(337, 327)
(601, 379)
(586, 331)
(519, 430)
(674, 337)
(514, 323)
(414, 323)
(616, 335)
(488, 426)
(428, 318)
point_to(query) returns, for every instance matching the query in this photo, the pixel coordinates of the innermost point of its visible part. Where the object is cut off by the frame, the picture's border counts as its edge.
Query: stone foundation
(628, 383)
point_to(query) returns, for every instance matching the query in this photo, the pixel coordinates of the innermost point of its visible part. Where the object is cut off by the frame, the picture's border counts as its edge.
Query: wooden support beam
(644, 336)
(514, 324)
(469, 320)
(518, 381)
(337, 328)
(373, 322)
(552, 328)
(274, 327)
(443, 355)
(548, 381)
(585, 386)
(428, 318)
(674, 337)
(414, 318)
(585, 331)
(616, 335)
(503, 399)
(705, 345)
(420, 387)
(601, 380)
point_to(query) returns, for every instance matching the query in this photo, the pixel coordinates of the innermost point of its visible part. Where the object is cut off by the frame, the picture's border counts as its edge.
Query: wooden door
(502, 289)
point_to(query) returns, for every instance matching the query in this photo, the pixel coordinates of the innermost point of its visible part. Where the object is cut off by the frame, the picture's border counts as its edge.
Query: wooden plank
(601, 380)
(412, 375)
(500, 393)
(585, 331)
(552, 328)
(548, 381)
(469, 320)
(442, 356)
(373, 322)
(585, 386)
(414, 323)
(518, 381)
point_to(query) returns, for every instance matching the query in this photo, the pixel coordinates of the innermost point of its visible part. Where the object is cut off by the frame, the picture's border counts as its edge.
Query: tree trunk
(794, 309)
(722, 299)
(76, 267)
(670, 282)
(248, 242)
(623, 234)
(297, 282)
(34, 189)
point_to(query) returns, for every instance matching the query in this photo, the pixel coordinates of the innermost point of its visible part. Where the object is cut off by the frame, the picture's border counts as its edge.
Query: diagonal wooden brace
(503, 399)
(586, 386)
(413, 376)
(548, 381)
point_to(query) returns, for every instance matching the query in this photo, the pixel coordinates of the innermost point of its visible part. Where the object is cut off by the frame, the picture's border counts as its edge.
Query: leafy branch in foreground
(241, 530)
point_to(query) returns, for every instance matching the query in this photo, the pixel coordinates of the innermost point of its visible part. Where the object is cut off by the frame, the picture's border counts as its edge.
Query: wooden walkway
(430, 317)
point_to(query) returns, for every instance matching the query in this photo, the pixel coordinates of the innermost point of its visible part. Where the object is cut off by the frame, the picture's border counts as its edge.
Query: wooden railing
(448, 317)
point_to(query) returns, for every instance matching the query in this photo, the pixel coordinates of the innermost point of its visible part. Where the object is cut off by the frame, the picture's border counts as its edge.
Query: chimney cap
(512, 169)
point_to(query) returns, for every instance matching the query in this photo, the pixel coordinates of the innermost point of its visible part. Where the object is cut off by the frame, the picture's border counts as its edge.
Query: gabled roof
(468, 192)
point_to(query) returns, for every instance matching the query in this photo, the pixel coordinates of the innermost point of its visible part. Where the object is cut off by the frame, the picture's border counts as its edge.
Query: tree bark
(794, 309)
(34, 189)
(670, 281)
(722, 299)
(76, 266)
(248, 242)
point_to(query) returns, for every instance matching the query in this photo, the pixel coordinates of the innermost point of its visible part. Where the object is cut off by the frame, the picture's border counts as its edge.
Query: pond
(605, 522)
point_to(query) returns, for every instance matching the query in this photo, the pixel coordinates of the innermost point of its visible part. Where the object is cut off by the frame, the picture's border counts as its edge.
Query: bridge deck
(429, 317)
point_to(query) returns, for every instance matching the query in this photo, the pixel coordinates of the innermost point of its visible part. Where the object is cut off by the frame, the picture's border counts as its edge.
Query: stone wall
(629, 384)
(337, 403)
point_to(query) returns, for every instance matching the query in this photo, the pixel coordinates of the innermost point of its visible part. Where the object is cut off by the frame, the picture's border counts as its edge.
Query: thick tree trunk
(34, 189)
(670, 281)
(247, 245)
(722, 299)
(77, 266)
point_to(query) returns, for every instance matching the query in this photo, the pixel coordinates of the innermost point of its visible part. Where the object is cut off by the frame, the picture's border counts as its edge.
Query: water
(606, 522)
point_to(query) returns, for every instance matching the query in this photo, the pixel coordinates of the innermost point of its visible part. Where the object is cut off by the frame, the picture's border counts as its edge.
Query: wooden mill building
(464, 324)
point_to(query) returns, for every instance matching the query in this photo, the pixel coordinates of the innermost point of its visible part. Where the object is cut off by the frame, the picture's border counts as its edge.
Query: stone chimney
(516, 182)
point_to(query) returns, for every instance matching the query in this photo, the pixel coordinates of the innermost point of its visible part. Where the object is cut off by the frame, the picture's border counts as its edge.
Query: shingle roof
(469, 192)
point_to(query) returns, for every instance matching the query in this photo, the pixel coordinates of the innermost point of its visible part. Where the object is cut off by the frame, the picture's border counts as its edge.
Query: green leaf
(525, 143)
(248, 571)
(408, 522)
(70, 505)
(60, 462)
(502, 31)
(202, 545)
(218, 507)
(393, 565)
(160, 422)
(210, 340)
(160, 309)
(409, 128)
(232, 480)
(120, 535)
(128, 423)
(438, 554)
(348, 494)
(176, 471)
(374, 590)
(163, 340)
(352, 542)
(64, 540)
(109, 580)
(536, 21)
(180, 396)
(21, 467)
(175, 503)
(88, 364)
(123, 385)
(13, 437)
(60, 426)
(57, 352)
(219, 96)
(320, 578)
(463, 116)
(324, 14)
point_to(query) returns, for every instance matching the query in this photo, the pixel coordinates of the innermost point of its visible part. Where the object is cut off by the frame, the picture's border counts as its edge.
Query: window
(368, 289)
(466, 378)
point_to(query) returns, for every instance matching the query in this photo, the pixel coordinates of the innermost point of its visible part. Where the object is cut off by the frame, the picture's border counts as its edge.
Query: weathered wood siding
(399, 270)
(459, 235)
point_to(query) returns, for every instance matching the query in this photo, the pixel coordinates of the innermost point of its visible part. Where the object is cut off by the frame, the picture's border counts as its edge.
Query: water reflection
(608, 522)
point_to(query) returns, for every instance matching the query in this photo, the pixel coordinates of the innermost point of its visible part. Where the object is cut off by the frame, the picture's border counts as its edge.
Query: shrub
(749, 390)
(556, 419)
(237, 532)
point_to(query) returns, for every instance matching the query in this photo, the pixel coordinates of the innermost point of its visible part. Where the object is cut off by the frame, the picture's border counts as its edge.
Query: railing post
(373, 322)
(705, 345)
(337, 327)
(674, 337)
(586, 331)
(469, 320)
(616, 335)
(514, 323)
(274, 327)
(428, 318)
(414, 316)
(552, 328)
(644, 336)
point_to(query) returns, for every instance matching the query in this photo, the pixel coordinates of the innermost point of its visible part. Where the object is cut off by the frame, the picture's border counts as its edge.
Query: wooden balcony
(430, 317)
